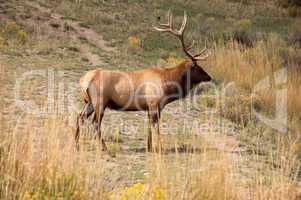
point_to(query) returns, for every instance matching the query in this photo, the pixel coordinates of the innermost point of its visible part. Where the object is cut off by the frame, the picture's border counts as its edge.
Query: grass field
(216, 149)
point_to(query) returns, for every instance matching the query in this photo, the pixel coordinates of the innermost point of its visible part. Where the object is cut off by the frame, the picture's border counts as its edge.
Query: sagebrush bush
(2, 42)
(288, 3)
(243, 37)
(295, 37)
(294, 11)
(242, 33)
(11, 32)
(10, 29)
(243, 24)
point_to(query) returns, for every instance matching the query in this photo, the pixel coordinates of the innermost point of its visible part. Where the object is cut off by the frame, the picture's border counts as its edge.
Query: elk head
(197, 74)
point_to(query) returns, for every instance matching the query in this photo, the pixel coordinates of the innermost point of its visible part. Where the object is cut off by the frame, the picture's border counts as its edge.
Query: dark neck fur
(177, 75)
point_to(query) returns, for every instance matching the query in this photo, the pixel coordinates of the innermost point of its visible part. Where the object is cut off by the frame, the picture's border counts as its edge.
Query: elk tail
(87, 98)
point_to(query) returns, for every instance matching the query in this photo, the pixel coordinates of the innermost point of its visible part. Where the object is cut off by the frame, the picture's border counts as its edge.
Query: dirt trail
(83, 37)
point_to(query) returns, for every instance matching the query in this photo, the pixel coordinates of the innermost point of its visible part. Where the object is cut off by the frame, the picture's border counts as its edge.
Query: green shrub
(107, 20)
(288, 3)
(294, 11)
(243, 24)
(156, 40)
(11, 29)
(64, 187)
(12, 32)
(295, 36)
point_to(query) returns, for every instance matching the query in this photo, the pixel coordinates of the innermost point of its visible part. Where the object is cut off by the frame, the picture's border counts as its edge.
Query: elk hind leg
(97, 121)
(84, 114)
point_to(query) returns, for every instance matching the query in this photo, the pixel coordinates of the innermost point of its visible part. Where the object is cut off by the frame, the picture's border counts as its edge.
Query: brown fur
(148, 89)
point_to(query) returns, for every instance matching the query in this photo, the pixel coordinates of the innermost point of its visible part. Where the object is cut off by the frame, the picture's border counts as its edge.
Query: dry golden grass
(245, 67)
(41, 162)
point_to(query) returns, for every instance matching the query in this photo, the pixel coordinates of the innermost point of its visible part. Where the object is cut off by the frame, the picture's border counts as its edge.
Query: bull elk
(143, 90)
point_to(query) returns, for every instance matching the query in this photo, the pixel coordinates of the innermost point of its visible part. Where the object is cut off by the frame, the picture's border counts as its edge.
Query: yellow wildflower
(173, 60)
(22, 36)
(133, 41)
(134, 192)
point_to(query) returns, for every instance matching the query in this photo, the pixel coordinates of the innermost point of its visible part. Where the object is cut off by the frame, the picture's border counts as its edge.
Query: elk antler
(168, 27)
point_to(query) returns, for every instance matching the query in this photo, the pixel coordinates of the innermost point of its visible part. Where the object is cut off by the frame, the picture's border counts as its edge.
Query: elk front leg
(158, 114)
(155, 118)
(149, 137)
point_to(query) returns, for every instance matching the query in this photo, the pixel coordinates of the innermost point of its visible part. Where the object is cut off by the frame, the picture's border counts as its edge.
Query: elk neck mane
(177, 75)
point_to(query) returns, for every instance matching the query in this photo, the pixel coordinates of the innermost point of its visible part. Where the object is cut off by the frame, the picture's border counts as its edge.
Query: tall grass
(41, 162)
(246, 67)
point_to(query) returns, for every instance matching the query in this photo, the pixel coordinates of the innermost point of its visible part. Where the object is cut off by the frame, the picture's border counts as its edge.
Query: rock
(84, 59)
(54, 24)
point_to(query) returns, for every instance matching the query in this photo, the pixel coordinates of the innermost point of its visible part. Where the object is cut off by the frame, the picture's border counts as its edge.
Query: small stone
(54, 24)
(84, 59)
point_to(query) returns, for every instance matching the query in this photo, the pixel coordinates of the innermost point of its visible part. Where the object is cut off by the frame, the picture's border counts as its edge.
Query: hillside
(217, 147)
